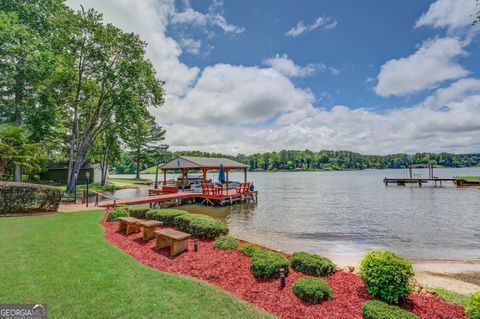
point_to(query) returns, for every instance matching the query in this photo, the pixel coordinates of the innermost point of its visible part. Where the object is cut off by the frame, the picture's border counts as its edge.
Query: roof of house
(64, 165)
(192, 162)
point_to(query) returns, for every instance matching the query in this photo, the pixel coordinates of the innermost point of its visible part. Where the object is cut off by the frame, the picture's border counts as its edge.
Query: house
(58, 173)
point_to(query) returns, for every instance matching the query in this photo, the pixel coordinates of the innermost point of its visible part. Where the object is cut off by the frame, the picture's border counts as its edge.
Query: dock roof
(192, 162)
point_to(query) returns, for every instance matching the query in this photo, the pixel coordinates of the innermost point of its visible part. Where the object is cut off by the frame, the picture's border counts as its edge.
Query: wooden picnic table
(177, 240)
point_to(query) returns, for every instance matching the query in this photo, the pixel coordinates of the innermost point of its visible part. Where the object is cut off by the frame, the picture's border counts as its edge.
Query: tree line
(290, 160)
(71, 87)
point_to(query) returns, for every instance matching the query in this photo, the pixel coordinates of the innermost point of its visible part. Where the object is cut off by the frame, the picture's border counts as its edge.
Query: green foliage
(312, 264)
(118, 212)
(266, 264)
(201, 226)
(374, 309)
(24, 197)
(138, 212)
(226, 243)
(165, 215)
(312, 289)
(473, 306)
(249, 249)
(386, 275)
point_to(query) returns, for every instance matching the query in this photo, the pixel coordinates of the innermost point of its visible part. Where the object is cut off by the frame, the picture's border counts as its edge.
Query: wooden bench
(134, 225)
(177, 240)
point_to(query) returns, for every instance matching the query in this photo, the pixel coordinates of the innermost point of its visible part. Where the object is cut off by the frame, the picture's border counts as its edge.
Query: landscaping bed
(230, 270)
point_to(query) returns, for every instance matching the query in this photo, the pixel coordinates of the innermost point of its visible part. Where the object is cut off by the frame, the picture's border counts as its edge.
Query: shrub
(267, 264)
(226, 243)
(312, 264)
(473, 306)
(138, 212)
(167, 216)
(24, 197)
(312, 289)
(374, 309)
(200, 226)
(386, 275)
(249, 249)
(117, 212)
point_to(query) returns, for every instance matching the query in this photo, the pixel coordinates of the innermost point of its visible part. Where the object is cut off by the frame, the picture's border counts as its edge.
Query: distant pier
(436, 181)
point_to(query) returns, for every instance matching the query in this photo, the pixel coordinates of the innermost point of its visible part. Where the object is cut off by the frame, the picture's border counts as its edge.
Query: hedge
(312, 289)
(374, 309)
(200, 226)
(267, 264)
(386, 275)
(473, 306)
(249, 249)
(138, 212)
(226, 243)
(114, 214)
(311, 264)
(26, 197)
(167, 216)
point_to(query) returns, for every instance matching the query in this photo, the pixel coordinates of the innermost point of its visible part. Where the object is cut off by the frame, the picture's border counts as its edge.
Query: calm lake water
(343, 214)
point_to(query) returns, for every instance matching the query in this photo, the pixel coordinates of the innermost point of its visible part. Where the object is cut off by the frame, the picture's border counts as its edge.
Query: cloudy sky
(375, 77)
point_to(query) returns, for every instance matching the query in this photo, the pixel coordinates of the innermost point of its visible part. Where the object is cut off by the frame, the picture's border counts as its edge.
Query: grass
(120, 181)
(64, 261)
(152, 169)
(470, 179)
(452, 296)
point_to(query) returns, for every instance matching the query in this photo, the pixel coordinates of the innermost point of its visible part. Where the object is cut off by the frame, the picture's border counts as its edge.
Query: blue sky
(375, 77)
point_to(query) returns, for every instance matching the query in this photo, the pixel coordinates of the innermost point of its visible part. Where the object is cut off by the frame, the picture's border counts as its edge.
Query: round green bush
(249, 249)
(267, 264)
(473, 306)
(201, 226)
(312, 289)
(114, 214)
(386, 275)
(311, 264)
(374, 309)
(226, 243)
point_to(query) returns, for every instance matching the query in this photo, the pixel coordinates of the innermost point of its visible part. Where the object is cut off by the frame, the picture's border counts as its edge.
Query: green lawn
(64, 261)
(127, 181)
(452, 296)
(470, 179)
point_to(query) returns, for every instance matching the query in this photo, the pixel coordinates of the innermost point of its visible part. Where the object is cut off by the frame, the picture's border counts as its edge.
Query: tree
(106, 79)
(144, 138)
(15, 149)
(106, 150)
(26, 62)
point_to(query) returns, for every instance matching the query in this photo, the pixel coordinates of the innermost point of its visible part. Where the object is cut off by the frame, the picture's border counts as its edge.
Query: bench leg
(122, 226)
(132, 228)
(178, 247)
(148, 232)
(162, 243)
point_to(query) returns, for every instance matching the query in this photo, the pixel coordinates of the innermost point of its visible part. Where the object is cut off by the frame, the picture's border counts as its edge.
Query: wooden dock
(403, 181)
(227, 198)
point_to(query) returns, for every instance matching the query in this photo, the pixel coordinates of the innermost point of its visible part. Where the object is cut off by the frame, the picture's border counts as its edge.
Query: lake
(343, 214)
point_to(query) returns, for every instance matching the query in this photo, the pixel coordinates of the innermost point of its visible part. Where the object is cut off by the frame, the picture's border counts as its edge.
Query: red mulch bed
(230, 270)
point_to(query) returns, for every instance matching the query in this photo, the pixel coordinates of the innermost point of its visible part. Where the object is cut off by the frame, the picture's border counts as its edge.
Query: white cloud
(451, 14)
(327, 23)
(433, 63)
(190, 45)
(214, 17)
(287, 67)
(225, 94)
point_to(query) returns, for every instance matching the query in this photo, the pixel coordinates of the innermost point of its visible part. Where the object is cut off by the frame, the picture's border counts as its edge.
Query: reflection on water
(343, 214)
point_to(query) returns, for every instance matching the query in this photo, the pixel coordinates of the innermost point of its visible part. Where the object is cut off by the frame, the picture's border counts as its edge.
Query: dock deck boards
(227, 196)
